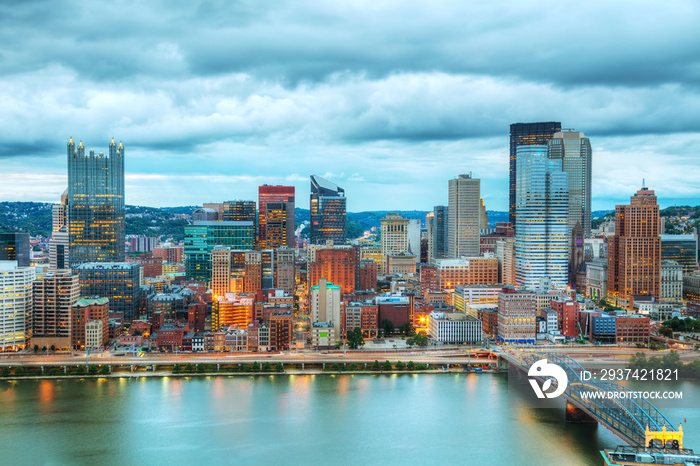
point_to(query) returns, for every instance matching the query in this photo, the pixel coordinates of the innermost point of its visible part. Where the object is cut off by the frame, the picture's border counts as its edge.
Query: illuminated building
(96, 204)
(328, 221)
(253, 272)
(15, 247)
(202, 237)
(87, 310)
(15, 305)
(454, 327)
(368, 275)
(463, 217)
(364, 315)
(394, 236)
(281, 330)
(671, 281)
(220, 270)
(516, 317)
(505, 252)
(471, 298)
(541, 231)
(169, 253)
(240, 211)
(336, 265)
(400, 263)
(375, 254)
(680, 248)
(285, 269)
(634, 252)
(466, 271)
(574, 151)
(283, 217)
(525, 134)
(54, 296)
(428, 279)
(232, 309)
(325, 304)
(118, 281)
(59, 245)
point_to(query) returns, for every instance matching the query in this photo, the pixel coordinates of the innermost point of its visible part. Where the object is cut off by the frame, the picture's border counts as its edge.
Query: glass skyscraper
(15, 247)
(440, 232)
(96, 204)
(525, 134)
(574, 151)
(201, 237)
(542, 218)
(327, 204)
(680, 248)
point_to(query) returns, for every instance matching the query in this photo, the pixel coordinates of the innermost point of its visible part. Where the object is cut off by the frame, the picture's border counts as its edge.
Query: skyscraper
(54, 296)
(15, 247)
(328, 221)
(634, 253)
(277, 194)
(574, 150)
(463, 216)
(525, 134)
(96, 204)
(16, 308)
(201, 237)
(240, 211)
(541, 229)
(440, 228)
(118, 281)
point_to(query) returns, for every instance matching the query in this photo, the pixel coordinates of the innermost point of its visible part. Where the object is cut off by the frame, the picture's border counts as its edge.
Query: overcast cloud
(387, 99)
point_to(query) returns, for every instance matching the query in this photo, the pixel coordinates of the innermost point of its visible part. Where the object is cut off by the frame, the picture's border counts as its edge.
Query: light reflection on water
(407, 418)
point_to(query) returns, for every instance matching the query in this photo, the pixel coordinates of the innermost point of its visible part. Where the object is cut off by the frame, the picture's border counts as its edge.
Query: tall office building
(328, 221)
(542, 213)
(525, 134)
(440, 228)
(96, 204)
(55, 294)
(634, 252)
(335, 264)
(118, 281)
(202, 237)
(276, 194)
(15, 247)
(15, 305)
(240, 211)
(681, 249)
(220, 270)
(279, 225)
(574, 151)
(463, 216)
(394, 236)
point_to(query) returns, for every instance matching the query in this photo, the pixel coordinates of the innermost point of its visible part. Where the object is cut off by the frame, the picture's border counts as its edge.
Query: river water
(309, 419)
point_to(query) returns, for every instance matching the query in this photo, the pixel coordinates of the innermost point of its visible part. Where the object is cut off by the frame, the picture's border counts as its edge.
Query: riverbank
(137, 375)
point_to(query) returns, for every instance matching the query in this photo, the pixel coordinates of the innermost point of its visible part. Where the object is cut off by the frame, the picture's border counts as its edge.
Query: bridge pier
(65, 369)
(578, 416)
(324, 365)
(218, 367)
(154, 367)
(302, 366)
(132, 368)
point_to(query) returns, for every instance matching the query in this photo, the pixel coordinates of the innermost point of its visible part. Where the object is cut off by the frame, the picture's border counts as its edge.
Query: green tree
(279, 367)
(407, 329)
(355, 338)
(376, 366)
(665, 332)
(267, 367)
(19, 371)
(386, 366)
(92, 369)
(105, 370)
(43, 349)
(36, 348)
(5, 371)
(255, 367)
(352, 367)
(410, 366)
(335, 367)
(53, 347)
(200, 367)
(176, 368)
(189, 367)
(400, 366)
(80, 370)
(421, 340)
(388, 327)
(410, 342)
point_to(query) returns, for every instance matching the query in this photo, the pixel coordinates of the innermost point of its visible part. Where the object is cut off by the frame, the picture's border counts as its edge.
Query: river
(307, 419)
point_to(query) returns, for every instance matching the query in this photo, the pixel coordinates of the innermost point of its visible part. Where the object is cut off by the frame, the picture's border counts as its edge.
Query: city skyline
(365, 107)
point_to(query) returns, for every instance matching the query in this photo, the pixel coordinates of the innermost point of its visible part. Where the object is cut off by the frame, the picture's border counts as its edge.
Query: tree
(255, 367)
(80, 370)
(36, 348)
(407, 329)
(19, 371)
(355, 338)
(92, 369)
(388, 327)
(53, 347)
(335, 367)
(400, 366)
(666, 332)
(200, 367)
(386, 366)
(177, 368)
(279, 367)
(189, 367)
(410, 342)
(105, 370)
(376, 366)
(43, 349)
(5, 371)
(267, 367)
(410, 366)
(421, 340)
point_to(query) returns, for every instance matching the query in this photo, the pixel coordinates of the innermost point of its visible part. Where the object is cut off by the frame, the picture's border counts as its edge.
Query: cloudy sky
(387, 99)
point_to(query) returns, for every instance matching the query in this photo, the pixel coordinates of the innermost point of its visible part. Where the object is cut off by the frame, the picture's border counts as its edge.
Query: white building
(671, 281)
(15, 305)
(463, 216)
(325, 304)
(454, 327)
(93, 334)
(323, 335)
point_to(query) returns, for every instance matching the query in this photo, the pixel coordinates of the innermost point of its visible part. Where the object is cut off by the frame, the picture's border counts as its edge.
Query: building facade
(454, 328)
(15, 305)
(118, 281)
(55, 294)
(281, 216)
(201, 238)
(463, 216)
(327, 211)
(96, 204)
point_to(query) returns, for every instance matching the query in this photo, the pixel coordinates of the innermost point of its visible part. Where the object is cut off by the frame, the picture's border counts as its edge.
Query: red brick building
(196, 316)
(281, 330)
(632, 329)
(567, 315)
(428, 280)
(170, 336)
(368, 274)
(152, 266)
(87, 310)
(169, 254)
(336, 265)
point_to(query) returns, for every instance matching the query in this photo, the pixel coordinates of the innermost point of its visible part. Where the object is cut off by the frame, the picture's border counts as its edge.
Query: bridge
(636, 421)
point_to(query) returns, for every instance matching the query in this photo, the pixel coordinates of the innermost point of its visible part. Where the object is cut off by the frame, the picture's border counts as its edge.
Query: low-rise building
(323, 335)
(454, 327)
